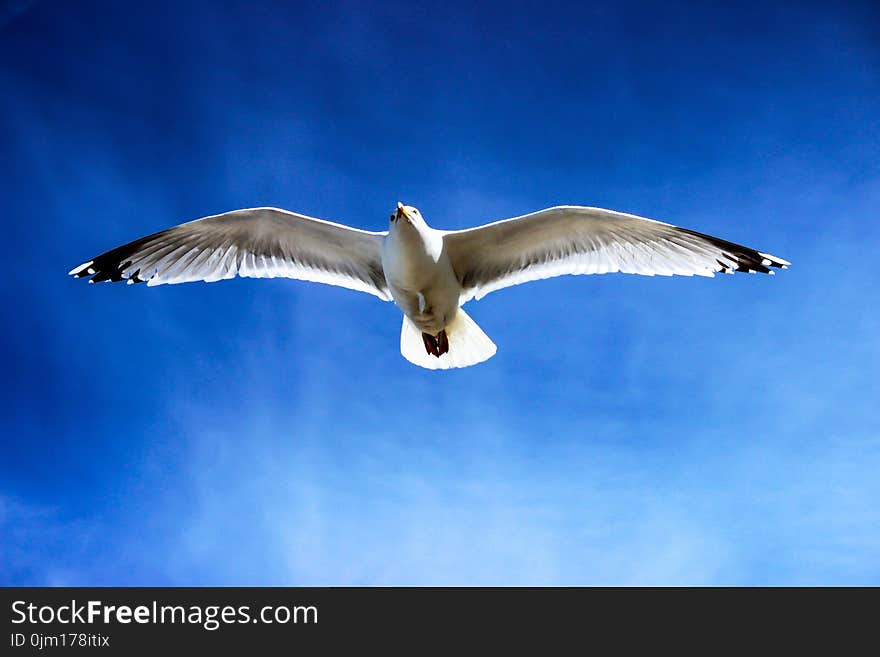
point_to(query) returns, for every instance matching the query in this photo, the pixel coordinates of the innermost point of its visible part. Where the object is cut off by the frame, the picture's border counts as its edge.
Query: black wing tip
(753, 262)
(109, 266)
(773, 261)
(738, 258)
(83, 270)
(101, 270)
(745, 261)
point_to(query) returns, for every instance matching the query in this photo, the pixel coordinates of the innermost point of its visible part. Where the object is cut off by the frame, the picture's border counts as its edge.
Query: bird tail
(468, 345)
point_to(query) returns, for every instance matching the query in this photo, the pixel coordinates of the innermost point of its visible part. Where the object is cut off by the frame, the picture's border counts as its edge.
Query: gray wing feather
(253, 243)
(579, 240)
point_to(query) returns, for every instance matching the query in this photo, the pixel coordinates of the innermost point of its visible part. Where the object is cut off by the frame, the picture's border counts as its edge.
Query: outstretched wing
(255, 243)
(578, 240)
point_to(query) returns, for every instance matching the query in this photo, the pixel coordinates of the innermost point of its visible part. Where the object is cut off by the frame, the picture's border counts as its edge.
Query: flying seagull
(428, 273)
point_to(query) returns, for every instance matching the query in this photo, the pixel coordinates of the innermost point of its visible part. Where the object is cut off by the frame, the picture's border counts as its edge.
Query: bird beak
(401, 212)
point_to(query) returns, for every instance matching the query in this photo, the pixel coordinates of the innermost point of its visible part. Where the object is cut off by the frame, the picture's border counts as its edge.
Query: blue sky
(629, 431)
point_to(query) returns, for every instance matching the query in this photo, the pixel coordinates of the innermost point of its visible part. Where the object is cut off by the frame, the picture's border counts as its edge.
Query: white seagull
(428, 273)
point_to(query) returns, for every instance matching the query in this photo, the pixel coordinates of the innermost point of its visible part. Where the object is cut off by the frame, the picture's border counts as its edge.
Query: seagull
(428, 273)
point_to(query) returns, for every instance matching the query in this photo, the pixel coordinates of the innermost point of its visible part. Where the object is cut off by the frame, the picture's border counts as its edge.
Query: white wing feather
(254, 243)
(578, 240)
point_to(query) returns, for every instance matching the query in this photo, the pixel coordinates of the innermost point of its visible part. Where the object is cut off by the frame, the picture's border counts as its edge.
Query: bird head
(406, 214)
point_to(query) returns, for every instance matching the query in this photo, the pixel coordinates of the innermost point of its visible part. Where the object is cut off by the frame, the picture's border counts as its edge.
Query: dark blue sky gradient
(630, 430)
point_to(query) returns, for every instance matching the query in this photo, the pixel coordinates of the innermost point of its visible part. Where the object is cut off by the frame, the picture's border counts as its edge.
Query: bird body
(418, 272)
(428, 273)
